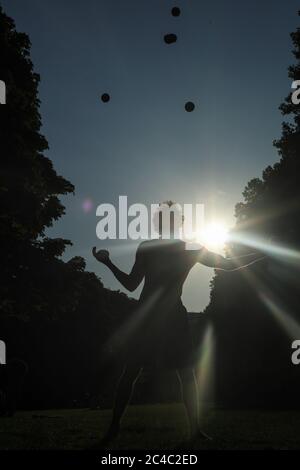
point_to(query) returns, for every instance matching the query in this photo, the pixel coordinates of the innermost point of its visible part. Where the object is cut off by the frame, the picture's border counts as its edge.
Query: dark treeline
(54, 315)
(256, 312)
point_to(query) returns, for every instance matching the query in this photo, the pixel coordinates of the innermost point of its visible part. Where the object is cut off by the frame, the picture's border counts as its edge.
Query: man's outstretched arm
(213, 260)
(130, 281)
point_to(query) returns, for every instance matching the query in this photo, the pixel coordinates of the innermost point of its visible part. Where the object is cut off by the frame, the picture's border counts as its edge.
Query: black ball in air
(175, 11)
(105, 97)
(170, 38)
(189, 106)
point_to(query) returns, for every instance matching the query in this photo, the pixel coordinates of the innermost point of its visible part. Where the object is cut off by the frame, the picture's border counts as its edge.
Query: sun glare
(213, 236)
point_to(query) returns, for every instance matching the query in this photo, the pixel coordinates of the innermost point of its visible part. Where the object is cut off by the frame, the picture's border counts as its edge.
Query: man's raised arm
(130, 281)
(214, 260)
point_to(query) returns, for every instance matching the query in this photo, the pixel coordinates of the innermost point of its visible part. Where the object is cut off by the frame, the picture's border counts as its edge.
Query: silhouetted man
(161, 333)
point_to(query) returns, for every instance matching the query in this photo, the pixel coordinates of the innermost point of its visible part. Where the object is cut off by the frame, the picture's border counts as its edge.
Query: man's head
(168, 219)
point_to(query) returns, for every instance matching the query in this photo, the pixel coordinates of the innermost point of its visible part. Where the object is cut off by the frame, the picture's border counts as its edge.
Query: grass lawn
(150, 427)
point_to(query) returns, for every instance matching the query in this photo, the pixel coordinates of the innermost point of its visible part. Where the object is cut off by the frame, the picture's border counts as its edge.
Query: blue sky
(231, 60)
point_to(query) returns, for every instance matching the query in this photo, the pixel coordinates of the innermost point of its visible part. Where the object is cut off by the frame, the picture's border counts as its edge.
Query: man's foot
(111, 434)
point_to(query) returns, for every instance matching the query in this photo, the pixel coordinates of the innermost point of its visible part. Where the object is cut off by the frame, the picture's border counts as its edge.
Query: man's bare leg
(189, 388)
(123, 395)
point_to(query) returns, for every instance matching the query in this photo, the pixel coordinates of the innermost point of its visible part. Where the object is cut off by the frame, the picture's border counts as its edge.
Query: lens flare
(268, 246)
(87, 205)
(213, 236)
(205, 370)
(285, 320)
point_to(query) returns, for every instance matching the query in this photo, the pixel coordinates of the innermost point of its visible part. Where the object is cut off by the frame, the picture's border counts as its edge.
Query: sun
(213, 236)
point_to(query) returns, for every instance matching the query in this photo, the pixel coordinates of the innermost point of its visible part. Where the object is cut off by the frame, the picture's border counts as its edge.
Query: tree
(252, 311)
(53, 314)
(29, 186)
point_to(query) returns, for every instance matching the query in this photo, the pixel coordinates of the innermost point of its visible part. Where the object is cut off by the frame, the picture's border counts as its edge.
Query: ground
(150, 427)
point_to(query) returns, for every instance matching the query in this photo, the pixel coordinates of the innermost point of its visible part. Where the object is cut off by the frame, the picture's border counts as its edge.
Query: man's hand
(102, 255)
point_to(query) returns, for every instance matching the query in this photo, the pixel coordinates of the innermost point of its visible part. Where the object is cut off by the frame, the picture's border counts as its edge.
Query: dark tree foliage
(254, 312)
(53, 315)
(29, 185)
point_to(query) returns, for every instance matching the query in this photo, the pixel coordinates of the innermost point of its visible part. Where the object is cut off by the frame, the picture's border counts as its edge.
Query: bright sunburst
(213, 236)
